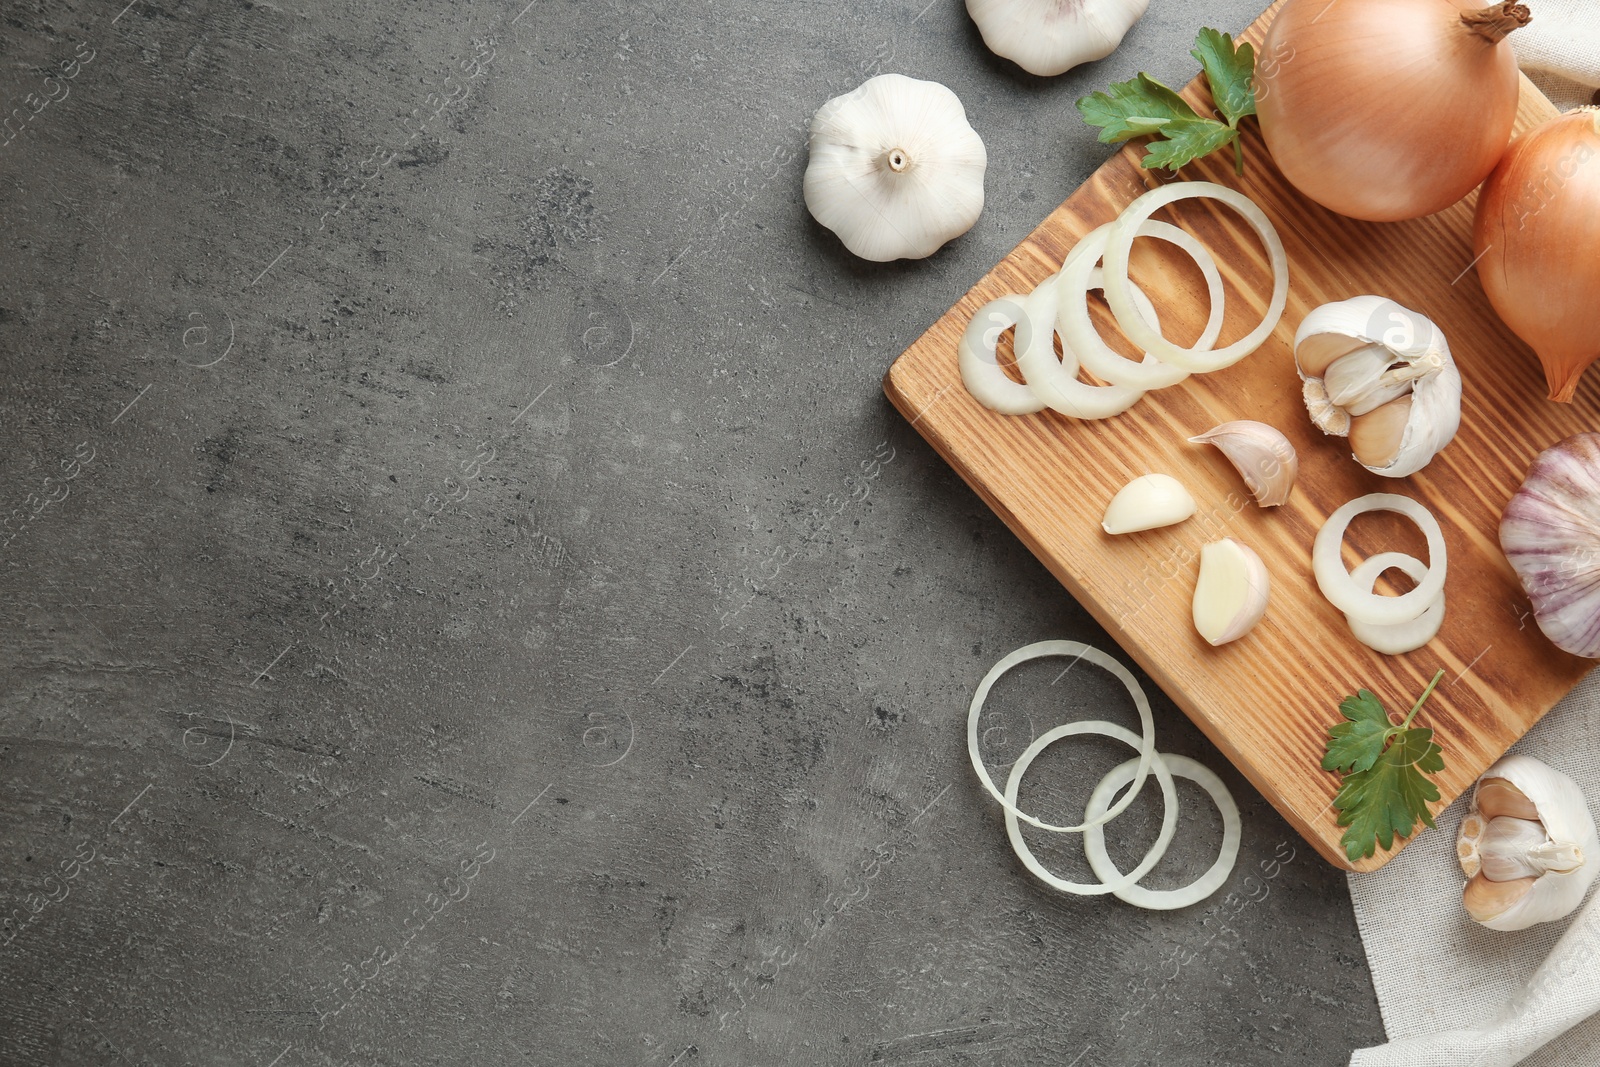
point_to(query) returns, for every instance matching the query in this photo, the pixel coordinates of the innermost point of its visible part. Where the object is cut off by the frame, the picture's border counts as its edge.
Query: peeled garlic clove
(1049, 37)
(1360, 359)
(1147, 503)
(1550, 532)
(1232, 593)
(895, 170)
(1528, 845)
(1263, 457)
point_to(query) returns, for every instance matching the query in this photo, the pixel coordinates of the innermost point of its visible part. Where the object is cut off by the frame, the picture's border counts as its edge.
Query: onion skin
(1385, 110)
(1535, 235)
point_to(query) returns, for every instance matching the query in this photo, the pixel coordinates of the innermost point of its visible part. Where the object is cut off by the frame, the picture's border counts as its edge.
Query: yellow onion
(1536, 236)
(1388, 109)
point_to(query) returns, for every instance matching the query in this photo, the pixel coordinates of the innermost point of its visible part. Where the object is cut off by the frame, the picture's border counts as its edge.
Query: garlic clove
(1147, 503)
(1368, 378)
(1550, 532)
(1378, 437)
(1494, 904)
(1261, 454)
(895, 170)
(1522, 871)
(1232, 592)
(1049, 37)
(1497, 797)
(1315, 352)
(1358, 358)
(1519, 848)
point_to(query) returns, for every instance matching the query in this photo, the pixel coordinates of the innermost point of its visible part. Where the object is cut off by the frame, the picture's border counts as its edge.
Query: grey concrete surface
(466, 599)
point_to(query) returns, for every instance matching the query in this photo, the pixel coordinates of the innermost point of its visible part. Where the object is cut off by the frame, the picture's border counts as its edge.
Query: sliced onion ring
(1098, 358)
(1055, 381)
(1118, 290)
(1039, 650)
(1346, 594)
(1118, 883)
(1407, 636)
(980, 366)
(1094, 840)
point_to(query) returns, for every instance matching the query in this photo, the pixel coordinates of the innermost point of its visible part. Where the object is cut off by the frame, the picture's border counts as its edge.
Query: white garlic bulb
(1527, 846)
(895, 170)
(1381, 375)
(1550, 532)
(1052, 36)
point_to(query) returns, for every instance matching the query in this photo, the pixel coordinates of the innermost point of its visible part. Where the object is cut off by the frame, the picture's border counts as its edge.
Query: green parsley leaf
(1131, 108)
(1229, 71)
(1187, 139)
(1143, 106)
(1356, 744)
(1386, 791)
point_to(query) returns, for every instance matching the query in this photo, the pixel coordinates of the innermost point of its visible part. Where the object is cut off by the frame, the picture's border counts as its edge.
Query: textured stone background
(466, 598)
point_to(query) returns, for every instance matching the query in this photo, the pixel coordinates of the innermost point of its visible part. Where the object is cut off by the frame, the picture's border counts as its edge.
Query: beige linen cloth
(1451, 992)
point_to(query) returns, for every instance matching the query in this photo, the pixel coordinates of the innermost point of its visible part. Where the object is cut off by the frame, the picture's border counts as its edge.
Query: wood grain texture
(1267, 700)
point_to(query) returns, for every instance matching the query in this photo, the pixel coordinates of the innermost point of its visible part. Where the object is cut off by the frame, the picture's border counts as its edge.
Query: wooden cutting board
(1267, 700)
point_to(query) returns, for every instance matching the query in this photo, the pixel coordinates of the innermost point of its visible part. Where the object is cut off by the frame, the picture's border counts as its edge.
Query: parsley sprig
(1386, 789)
(1143, 106)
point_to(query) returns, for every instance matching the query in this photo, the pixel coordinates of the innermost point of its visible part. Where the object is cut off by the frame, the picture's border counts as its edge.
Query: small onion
(1535, 235)
(1388, 109)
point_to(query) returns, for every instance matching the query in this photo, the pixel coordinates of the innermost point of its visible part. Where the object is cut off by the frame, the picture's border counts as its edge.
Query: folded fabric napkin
(1560, 49)
(1455, 993)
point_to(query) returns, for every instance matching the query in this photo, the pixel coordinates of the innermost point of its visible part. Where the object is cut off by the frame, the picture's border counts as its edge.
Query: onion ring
(1039, 650)
(1363, 605)
(980, 366)
(1407, 636)
(1118, 883)
(1055, 382)
(1094, 840)
(1077, 278)
(1118, 295)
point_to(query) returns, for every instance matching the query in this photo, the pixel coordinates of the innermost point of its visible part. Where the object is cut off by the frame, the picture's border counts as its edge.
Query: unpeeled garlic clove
(1488, 901)
(1497, 797)
(895, 170)
(1147, 503)
(1231, 594)
(1368, 378)
(1527, 846)
(1368, 358)
(1261, 454)
(1378, 437)
(1049, 37)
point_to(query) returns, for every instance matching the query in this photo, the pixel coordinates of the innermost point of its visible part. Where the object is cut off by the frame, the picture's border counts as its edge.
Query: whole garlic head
(895, 170)
(1527, 846)
(1381, 375)
(1052, 36)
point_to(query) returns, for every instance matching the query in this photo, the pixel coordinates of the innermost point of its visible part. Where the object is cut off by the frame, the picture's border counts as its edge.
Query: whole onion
(1388, 109)
(1536, 236)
